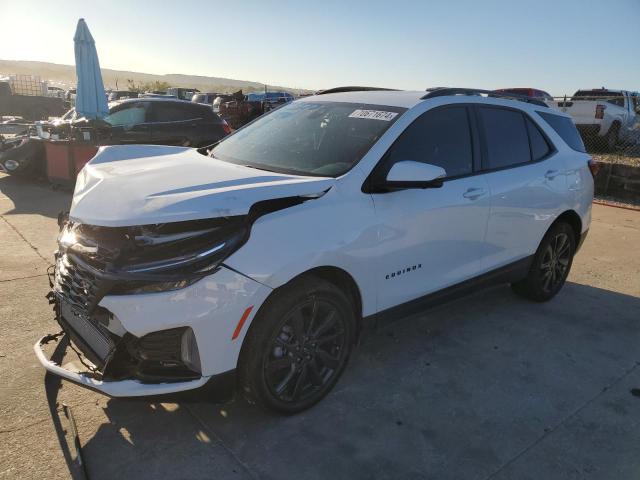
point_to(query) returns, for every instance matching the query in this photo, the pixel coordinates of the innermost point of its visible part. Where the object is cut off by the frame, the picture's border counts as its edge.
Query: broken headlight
(154, 258)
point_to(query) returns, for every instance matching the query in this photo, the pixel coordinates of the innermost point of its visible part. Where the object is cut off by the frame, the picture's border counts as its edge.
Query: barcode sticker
(373, 115)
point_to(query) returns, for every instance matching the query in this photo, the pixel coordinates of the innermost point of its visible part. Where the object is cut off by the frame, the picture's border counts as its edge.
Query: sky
(558, 46)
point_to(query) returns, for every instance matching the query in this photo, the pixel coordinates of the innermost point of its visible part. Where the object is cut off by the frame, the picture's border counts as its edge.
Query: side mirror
(410, 174)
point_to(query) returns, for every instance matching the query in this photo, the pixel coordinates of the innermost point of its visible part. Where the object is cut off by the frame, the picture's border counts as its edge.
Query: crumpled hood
(146, 184)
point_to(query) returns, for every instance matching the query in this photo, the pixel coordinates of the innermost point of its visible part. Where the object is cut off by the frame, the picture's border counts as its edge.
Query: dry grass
(620, 158)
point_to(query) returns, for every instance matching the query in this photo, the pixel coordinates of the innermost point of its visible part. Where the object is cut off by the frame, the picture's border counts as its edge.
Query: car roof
(410, 98)
(151, 99)
(605, 90)
(392, 98)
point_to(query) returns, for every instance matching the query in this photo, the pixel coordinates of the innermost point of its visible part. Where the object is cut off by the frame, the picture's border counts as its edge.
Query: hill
(66, 74)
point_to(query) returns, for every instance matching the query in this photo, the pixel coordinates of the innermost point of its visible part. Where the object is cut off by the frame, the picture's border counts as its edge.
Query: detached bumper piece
(122, 388)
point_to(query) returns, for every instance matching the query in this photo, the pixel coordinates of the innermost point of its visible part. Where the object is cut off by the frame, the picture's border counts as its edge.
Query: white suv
(264, 257)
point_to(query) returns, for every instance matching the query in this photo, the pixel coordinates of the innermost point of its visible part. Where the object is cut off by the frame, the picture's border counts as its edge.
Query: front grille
(77, 293)
(77, 285)
(90, 334)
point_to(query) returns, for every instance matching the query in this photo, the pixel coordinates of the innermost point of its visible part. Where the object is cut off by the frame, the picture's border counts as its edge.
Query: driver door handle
(473, 193)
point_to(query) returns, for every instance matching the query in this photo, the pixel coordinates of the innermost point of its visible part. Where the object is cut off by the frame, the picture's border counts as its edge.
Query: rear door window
(175, 112)
(567, 130)
(439, 137)
(506, 137)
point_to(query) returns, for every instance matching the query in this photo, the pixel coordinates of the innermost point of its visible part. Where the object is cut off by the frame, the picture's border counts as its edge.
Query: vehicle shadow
(448, 393)
(52, 386)
(31, 196)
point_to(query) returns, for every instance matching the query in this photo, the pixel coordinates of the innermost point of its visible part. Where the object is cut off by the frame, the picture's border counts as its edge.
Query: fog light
(11, 165)
(189, 350)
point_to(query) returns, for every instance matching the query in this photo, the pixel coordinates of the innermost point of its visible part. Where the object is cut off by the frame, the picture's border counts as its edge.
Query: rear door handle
(551, 174)
(473, 193)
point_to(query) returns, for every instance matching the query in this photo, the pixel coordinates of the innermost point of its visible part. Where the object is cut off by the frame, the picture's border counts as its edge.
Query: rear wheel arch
(573, 219)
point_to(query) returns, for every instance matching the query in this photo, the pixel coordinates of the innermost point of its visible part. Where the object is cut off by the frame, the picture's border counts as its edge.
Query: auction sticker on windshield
(373, 115)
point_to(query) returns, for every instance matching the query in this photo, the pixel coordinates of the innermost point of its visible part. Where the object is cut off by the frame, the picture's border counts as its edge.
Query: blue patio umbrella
(91, 101)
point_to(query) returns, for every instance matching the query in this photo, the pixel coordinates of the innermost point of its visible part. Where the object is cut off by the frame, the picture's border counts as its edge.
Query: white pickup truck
(605, 117)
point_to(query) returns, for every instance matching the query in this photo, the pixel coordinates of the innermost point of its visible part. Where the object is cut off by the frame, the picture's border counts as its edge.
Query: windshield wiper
(258, 168)
(208, 149)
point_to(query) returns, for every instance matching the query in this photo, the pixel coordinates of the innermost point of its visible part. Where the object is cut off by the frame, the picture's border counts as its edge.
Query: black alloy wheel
(297, 346)
(551, 264)
(555, 262)
(306, 351)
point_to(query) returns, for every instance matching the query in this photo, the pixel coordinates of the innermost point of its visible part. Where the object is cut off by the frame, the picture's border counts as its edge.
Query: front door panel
(430, 238)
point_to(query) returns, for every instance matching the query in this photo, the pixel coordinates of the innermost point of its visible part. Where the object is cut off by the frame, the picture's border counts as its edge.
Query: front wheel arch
(336, 276)
(250, 382)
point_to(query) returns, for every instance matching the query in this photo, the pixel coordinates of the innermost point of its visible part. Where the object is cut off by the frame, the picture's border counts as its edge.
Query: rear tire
(612, 137)
(551, 265)
(298, 346)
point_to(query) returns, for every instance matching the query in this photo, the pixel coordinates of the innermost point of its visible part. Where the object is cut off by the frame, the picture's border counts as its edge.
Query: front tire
(297, 346)
(551, 265)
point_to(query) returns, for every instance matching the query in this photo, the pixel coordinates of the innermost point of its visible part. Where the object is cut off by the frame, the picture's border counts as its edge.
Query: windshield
(305, 138)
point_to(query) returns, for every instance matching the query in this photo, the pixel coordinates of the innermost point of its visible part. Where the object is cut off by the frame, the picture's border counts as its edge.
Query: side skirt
(508, 274)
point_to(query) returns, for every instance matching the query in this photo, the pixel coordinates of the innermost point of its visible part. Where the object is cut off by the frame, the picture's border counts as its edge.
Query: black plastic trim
(452, 91)
(354, 89)
(510, 273)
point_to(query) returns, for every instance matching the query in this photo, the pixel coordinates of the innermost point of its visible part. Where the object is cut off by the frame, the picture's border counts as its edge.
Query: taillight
(594, 167)
(226, 127)
(600, 111)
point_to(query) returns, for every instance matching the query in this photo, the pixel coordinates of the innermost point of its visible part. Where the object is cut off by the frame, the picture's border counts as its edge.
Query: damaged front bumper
(119, 388)
(159, 343)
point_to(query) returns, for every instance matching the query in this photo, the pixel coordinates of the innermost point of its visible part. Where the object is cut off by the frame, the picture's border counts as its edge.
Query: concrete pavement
(489, 387)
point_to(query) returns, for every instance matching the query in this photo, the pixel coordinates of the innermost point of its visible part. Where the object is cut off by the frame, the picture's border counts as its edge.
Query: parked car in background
(159, 121)
(266, 258)
(120, 94)
(29, 107)
(164, 121)
(56, 92)
(270, 100)
(182, 93)
(238, 110)
(205, 98)
(605, 117)
(156, 95)
(219, 100)
(527, 92)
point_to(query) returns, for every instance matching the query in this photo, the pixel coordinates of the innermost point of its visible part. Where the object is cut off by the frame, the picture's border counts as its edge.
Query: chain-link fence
(608, 121)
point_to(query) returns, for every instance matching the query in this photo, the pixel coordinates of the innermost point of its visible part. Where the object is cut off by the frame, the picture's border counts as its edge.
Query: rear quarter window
(539, 146)
(567, 130)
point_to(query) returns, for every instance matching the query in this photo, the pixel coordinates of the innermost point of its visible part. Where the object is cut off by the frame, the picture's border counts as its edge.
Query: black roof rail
(352, 89)
(447, 91)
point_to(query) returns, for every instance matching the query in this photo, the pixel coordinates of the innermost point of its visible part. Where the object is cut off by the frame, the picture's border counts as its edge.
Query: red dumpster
(65, 158)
